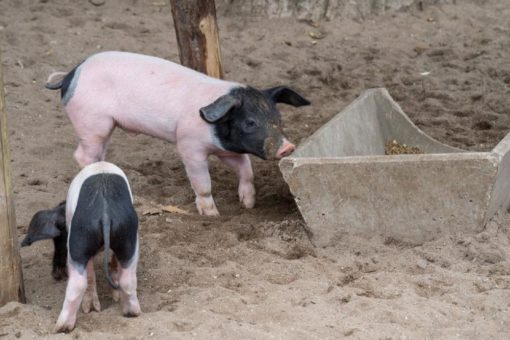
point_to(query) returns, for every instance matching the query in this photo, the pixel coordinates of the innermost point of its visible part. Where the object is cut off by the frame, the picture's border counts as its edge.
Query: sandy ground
(253, 274)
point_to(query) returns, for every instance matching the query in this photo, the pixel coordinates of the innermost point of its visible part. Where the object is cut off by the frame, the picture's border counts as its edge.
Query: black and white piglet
(99, 212)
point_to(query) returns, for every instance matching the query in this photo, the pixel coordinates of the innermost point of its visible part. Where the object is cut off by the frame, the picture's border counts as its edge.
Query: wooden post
(11, 277)
(197, 35)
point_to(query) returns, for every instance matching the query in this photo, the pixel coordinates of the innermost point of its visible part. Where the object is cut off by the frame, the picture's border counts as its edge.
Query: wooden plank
(11, 277)
(197, 35)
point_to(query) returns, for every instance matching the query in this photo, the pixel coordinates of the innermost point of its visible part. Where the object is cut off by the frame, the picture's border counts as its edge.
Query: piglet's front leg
(197, 169)
(242, 166)
(59, 271)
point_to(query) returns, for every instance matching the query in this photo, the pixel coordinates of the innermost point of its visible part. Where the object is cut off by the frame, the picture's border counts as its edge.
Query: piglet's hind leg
(76, 287)
(114, 272)
(94, 134)
(128, 295)
(88, 152)
(91, 300)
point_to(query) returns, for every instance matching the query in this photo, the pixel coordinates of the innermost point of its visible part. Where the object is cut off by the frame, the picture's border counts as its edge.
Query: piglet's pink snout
(285, 149)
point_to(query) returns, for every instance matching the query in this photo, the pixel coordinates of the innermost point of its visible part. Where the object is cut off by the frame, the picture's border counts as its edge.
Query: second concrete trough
(342, 180)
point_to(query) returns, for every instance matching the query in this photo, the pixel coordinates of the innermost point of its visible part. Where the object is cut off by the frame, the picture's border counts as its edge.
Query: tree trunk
(11, 277)
(197, 35)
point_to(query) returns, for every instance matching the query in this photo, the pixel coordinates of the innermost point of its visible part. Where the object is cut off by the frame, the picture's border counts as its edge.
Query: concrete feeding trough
(342, 180)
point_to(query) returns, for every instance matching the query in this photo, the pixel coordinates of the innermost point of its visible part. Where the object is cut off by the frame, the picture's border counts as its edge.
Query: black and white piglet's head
(51, 224)
(246, 120)
(46, 224)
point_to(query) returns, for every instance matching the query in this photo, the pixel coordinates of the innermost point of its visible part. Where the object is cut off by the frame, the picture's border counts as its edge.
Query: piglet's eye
(249, 125)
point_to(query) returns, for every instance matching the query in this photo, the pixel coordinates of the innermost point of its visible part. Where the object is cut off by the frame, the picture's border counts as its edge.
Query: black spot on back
(67, 81)
(103, 198)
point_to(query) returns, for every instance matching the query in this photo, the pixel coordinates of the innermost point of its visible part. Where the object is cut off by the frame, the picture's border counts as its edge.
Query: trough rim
(379, 91)
(405, 158)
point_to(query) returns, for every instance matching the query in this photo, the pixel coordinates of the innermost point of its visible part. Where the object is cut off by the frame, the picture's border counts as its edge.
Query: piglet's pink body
(153, 96)
(141, 94)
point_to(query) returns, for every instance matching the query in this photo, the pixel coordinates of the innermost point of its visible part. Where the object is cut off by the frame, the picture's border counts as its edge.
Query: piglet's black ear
(283, 94)
(219, 109)
(42, 227)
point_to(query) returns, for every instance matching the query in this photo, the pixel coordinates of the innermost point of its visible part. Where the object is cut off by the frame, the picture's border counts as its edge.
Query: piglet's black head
(46, 224)
(246, 120)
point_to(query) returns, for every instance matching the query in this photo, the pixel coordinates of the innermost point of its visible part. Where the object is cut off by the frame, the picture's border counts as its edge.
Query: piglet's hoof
(209, 212)
(63, 327)
(131, 310)
(90, 302)
(132, 314)
(206, 206)
(59, 273)
(247, 195)
(115, 295)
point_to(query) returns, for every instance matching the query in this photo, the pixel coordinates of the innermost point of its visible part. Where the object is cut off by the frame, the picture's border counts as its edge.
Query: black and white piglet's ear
(285, 95)
(43, 226)
(219, 109)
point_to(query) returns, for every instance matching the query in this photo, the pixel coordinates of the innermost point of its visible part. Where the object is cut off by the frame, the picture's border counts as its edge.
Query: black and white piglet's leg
(90, 299)
(59, 270)
(126, 274)
(83, 243)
